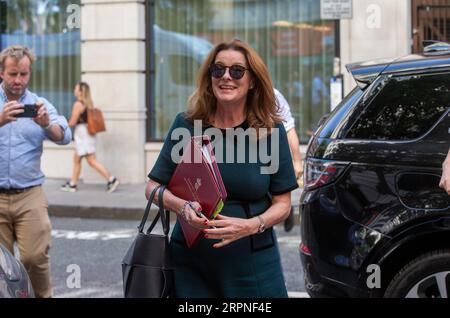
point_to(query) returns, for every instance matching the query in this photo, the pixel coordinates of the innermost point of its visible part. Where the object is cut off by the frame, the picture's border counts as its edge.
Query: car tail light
(322, 172)
(304, 249)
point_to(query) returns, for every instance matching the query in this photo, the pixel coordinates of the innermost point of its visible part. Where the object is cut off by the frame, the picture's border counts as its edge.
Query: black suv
(374, 221)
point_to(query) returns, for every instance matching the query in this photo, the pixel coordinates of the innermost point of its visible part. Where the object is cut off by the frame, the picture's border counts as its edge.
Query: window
(405, 108)
(296, 45)
(430, 21)
(179, 73)
(41, 25)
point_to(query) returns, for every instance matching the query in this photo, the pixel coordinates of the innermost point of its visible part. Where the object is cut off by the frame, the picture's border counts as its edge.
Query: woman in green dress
(239, 255)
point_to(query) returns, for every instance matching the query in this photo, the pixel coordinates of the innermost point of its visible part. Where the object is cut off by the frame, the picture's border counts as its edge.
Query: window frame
(150, 71)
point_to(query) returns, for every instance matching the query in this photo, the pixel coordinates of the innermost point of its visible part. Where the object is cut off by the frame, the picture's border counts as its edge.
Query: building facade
(141, 58)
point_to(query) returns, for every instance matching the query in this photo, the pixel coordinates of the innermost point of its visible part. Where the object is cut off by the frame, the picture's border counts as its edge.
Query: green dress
(250, 266)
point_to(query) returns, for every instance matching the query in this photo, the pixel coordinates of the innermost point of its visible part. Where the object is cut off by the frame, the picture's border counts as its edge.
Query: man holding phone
(23, 205)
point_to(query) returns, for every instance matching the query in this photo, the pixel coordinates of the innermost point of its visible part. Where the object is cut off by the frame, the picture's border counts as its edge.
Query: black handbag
(147, 267)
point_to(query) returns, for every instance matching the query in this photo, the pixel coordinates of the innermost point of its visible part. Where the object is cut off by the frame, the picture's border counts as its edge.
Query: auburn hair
(261, 105)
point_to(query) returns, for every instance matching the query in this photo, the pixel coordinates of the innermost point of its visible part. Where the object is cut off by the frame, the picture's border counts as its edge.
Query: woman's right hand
(190, 212)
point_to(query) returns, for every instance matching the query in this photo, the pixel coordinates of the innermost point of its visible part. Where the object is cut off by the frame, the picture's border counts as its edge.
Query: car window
(339, 117)
(405, 108)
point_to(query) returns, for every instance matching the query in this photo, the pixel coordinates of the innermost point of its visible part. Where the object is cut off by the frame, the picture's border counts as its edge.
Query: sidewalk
(92, 201)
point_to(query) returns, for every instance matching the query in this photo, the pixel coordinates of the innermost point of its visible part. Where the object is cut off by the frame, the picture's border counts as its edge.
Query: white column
(113, 64)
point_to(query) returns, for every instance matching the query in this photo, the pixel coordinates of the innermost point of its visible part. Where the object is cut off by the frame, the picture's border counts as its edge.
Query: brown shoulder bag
(95, 121)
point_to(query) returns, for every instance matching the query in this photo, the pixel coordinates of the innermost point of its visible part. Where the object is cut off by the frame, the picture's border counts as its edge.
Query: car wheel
(427, 276)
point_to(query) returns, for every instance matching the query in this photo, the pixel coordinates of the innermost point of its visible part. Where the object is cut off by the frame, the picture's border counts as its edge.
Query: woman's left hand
(229, 229)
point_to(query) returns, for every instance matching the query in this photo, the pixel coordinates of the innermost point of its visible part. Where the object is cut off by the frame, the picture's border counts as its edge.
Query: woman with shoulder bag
(84, 142)
(238, 255)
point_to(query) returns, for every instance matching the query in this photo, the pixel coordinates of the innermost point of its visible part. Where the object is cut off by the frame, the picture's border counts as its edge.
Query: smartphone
(30, 110)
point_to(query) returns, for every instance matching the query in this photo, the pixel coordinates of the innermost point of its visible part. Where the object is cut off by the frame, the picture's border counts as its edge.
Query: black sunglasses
(218, 70)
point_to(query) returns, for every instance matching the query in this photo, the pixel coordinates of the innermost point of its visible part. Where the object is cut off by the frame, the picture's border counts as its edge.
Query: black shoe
(67, 187)
(112, 185)
(290, 221)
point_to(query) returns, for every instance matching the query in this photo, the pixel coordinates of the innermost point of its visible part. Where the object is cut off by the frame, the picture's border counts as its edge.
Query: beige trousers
(24, 219)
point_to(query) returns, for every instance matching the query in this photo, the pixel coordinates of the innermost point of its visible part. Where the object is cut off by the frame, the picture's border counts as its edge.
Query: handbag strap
(165, 219)
(147, 209)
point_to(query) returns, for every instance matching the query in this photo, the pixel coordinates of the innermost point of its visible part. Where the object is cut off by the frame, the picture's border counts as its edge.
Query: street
(94, 248)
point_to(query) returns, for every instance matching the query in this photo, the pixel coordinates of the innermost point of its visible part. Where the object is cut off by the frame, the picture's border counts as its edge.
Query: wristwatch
(262, 224)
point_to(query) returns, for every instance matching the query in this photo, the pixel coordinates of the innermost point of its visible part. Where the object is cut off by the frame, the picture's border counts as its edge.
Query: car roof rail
(435, 48)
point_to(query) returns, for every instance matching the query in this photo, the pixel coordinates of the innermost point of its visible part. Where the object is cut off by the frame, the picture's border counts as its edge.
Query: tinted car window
(340, 115)
(405, 108)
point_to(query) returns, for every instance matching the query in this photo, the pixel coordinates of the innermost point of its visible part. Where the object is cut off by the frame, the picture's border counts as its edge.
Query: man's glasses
(218, 70)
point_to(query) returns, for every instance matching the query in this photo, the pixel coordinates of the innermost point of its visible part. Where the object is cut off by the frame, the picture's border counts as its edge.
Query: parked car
(374, 221)
(14, 280)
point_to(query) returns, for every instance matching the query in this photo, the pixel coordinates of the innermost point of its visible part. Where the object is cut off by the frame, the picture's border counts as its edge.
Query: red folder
(197, 178)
